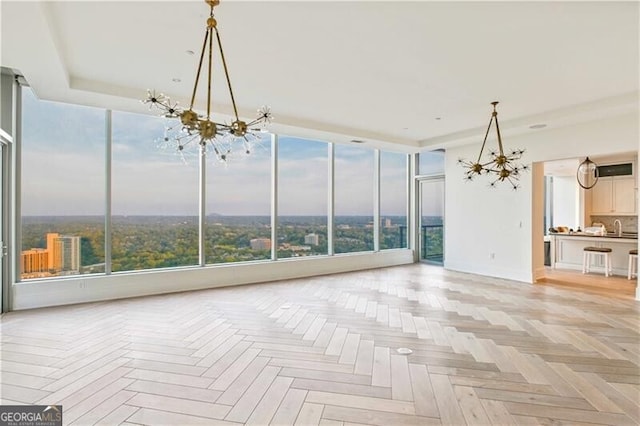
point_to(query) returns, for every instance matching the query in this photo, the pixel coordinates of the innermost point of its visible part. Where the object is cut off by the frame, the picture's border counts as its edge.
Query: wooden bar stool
(633, 263)
(588, 252)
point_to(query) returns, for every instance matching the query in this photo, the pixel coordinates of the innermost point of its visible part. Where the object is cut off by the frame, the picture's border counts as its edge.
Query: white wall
(482, 220)
(566, 197)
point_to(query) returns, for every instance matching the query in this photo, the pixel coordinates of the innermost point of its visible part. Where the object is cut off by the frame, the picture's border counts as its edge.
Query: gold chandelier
(501, 166)
(200, 130)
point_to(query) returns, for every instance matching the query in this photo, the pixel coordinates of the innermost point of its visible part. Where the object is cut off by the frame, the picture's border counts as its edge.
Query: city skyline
(59, 245)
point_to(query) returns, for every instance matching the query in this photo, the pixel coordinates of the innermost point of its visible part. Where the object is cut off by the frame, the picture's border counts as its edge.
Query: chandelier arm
(164, 105)
(195, 84)
(226, 73)
(255, 121)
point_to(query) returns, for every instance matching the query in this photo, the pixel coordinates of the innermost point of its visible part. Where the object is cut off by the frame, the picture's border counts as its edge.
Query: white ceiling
(415, 74)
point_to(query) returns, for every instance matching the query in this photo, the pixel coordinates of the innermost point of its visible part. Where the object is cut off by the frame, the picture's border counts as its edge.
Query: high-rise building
(54, 260)
(61, 257)
(64, 253)
(34, 261)
(260, 243)
(313, 239)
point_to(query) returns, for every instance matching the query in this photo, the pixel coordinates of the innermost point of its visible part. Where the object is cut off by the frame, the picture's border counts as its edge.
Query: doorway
(432, 220)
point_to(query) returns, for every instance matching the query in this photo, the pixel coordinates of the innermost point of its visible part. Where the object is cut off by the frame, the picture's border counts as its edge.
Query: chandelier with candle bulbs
(195, 129)
(500, 166)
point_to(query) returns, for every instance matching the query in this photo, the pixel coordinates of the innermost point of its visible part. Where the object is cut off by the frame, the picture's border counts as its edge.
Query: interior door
(432, 220)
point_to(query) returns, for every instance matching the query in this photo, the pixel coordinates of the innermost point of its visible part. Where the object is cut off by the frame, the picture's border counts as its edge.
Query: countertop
(624, 236)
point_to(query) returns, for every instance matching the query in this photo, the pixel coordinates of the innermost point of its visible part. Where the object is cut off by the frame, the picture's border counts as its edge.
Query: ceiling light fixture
(587, 174)
(200, 130)
(502, 167)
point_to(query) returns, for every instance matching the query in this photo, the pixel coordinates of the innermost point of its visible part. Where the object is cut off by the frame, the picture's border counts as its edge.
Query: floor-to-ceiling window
(62, 190)
(238, 207)
(393, 200)
(354, 197)
(102, 192)
(302, 197)
(154, 198)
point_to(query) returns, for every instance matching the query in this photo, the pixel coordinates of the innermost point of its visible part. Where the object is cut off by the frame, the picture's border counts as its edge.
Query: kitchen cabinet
(614, 195)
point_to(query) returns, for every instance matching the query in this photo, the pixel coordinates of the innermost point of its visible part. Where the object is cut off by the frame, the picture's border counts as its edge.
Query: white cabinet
(567, 251)
(614, 195)
(624, 195)
(601, 197)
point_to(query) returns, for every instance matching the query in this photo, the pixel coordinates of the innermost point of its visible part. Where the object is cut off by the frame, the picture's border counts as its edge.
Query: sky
(63, 173)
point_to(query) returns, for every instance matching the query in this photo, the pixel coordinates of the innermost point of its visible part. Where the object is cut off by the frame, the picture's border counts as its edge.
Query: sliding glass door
(2, 216)
(5, 145)
(432, 220)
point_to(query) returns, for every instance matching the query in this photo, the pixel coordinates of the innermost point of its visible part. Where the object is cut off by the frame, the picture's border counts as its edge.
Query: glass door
(3, 240)
(432, 220)
(10, 99)
(5, 178)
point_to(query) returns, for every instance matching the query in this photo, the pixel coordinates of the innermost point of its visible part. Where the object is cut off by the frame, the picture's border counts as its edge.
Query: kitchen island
(567, 251)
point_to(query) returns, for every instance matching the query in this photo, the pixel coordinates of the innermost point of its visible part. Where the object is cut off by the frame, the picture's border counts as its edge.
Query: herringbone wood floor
(323, 351)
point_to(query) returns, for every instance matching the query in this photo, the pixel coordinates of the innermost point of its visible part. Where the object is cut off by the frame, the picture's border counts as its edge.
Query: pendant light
(587, 174)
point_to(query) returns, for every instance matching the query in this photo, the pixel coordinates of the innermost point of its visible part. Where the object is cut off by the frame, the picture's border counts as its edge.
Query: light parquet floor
(323, 351)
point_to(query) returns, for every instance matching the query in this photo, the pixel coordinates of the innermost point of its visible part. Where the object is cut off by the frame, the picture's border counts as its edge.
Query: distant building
(64, 253)
(61, 257)
(387, 223)
(260, 243)
(35, 261)
(313, 239)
